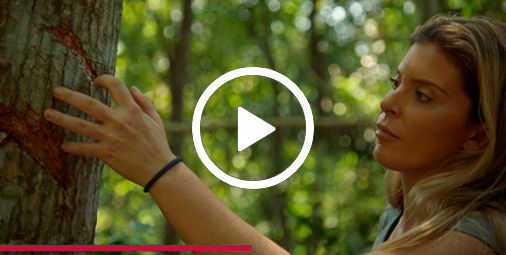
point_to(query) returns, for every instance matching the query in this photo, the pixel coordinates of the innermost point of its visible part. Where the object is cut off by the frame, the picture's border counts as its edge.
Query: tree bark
(47, 196)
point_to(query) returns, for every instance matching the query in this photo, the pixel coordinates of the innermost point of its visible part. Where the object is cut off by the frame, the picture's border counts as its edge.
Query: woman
(441, 131)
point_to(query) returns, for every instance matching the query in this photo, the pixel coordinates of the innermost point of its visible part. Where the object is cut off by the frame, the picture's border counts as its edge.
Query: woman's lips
(383, 133)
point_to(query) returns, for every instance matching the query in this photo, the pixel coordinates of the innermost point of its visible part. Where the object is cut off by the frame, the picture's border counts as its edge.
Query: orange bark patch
(27, 128)
(71, 41)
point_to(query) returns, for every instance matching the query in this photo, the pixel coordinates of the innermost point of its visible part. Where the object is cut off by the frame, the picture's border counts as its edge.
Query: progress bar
(233, 247)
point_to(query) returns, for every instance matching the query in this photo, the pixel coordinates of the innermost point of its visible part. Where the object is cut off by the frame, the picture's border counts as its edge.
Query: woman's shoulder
(480, 228)
(455, 243)
(389, 215)
(474, 228)
(388, 220)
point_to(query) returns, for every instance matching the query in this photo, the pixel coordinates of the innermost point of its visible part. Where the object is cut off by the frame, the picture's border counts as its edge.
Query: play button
(250, 129)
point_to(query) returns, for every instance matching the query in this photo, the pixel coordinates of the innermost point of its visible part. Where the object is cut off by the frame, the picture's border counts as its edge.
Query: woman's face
(427, 110)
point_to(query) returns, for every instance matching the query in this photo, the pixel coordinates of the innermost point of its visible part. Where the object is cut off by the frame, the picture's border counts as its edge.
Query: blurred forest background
(339, 52)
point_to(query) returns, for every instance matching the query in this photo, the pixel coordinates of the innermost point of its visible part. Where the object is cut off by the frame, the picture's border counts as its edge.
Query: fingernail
(58, 91)
(49, 114)
(136, 89)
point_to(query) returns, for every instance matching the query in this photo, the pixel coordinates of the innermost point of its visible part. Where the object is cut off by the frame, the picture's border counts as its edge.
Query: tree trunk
(428, 8)
(46, 196)
(177, 78)
(274, 209)
(317, 61)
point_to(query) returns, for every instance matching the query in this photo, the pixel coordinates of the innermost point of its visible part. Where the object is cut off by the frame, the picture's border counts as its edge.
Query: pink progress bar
(235, 247)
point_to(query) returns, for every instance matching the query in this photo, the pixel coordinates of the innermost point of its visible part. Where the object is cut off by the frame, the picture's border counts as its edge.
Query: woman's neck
(407, 220)
(409, 179)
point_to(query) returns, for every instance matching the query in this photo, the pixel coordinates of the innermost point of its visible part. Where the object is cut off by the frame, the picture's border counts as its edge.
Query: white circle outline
(197, 140)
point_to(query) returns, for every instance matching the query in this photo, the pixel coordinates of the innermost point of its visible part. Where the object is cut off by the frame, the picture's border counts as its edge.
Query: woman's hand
(131, 137)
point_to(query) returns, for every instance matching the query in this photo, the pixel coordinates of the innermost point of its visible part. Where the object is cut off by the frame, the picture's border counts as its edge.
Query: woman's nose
(390, 104)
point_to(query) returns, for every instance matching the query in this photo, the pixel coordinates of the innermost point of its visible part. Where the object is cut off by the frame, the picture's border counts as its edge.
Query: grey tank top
(475, 226)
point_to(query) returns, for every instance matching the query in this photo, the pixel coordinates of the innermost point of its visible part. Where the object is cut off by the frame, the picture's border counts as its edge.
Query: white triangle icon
(250, 129)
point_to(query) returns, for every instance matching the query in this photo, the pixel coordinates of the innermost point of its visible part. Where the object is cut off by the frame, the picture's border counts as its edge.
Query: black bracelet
(165, 169)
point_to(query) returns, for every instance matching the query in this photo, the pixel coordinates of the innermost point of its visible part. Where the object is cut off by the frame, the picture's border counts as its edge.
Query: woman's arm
(131, 140)
(199, 217)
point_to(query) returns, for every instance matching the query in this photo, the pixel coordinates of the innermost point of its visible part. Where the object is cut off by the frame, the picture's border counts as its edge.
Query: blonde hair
(476, 183)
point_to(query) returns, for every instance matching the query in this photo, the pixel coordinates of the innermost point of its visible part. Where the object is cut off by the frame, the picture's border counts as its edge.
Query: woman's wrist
(170, 179)
(166, 168)
(150, 169)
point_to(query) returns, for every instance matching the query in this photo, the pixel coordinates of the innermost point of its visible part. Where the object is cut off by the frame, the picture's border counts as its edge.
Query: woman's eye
(419, 95)
(395, 83)
(422, 97)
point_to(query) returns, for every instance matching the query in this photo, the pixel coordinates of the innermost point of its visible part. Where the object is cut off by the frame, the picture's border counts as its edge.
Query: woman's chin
(385, 158)
(378, 153)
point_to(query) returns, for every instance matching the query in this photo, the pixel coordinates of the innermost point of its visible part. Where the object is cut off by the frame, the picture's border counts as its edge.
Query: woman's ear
(478, 139)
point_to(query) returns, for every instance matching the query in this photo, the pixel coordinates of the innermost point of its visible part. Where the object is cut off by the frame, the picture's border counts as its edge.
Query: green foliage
(331, 205)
